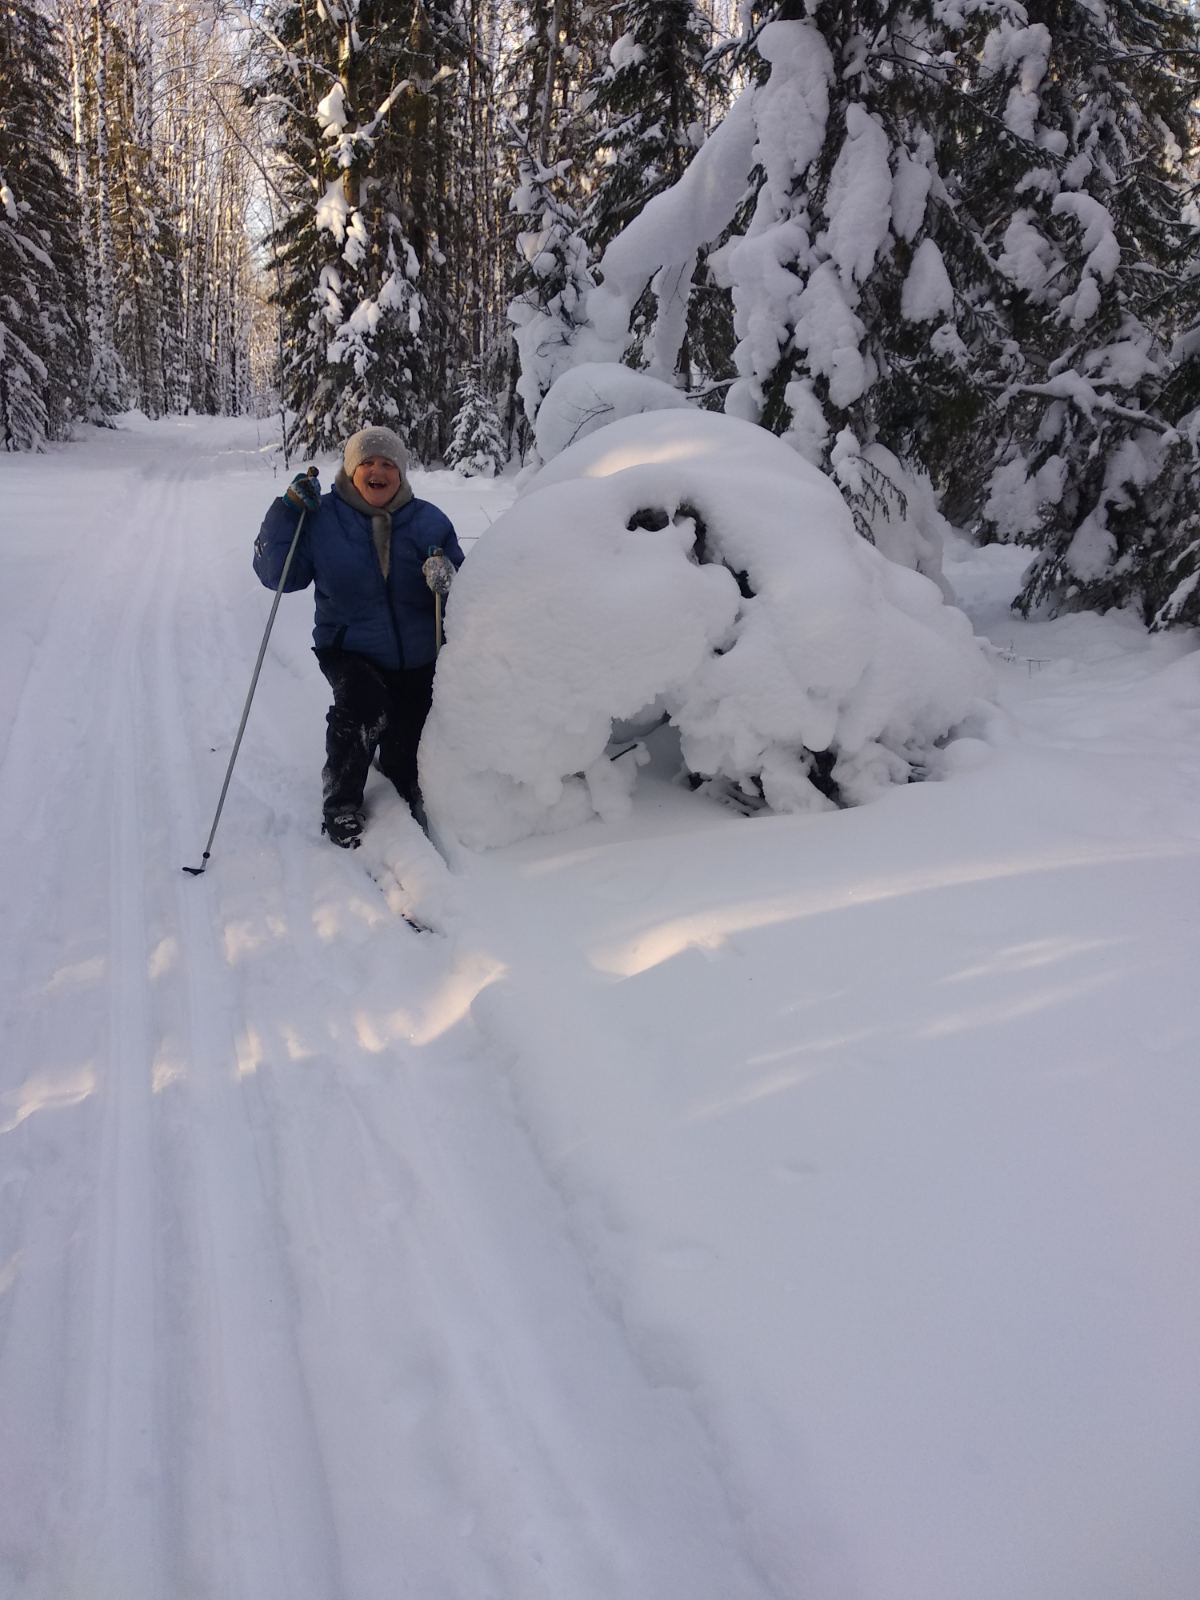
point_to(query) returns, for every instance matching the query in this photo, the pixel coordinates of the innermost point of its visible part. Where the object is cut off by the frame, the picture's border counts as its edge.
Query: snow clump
(692, 563)
(590, 396)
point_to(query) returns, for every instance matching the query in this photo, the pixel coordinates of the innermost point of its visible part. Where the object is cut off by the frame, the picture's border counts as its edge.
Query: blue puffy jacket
(392, 622)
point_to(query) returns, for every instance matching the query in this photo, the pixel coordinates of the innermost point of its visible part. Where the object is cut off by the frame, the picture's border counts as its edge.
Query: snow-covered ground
(788, 1208)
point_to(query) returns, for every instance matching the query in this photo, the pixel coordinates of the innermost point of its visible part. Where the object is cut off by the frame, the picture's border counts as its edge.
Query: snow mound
(592, 395)
(696, 563)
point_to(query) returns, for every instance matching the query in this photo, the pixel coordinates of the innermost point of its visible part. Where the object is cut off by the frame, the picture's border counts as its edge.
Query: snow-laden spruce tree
(648, 99)
(652, 306)
(553, 276)
(1095, 249)
(868, 307)
(550, 137)
(1164, 563)
(839, 191)
(477, 448)
(349, 86)
(43, 335)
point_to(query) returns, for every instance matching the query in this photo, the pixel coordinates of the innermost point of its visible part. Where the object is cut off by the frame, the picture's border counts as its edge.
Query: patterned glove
(305, 490)
(439, 572)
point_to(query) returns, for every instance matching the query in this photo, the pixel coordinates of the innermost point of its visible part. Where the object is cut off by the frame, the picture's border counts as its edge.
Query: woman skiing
(377, 557)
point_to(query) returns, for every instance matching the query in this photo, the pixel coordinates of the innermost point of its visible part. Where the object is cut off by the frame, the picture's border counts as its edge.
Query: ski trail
(458, 1350)
(76, 1329)
(251, 1493)
(463, 1372)
(461, 1441)
(115, 1277)
(118, 1544)
(290, 1308)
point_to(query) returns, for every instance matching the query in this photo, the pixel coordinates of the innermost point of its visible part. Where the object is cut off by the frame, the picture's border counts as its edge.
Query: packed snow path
(290, 1309)
(712, 1209)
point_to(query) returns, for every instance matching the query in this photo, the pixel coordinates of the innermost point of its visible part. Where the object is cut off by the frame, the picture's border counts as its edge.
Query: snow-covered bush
(590, 396)
(693, 562)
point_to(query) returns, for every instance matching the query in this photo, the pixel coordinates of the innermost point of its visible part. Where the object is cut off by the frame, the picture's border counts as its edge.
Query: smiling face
(376, 479)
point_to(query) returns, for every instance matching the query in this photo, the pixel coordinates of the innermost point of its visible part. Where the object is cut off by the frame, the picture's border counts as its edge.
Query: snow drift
(695, 564)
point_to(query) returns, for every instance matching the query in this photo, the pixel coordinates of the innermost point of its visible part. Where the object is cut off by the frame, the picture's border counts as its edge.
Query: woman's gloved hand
(305, 490)
(439, 572)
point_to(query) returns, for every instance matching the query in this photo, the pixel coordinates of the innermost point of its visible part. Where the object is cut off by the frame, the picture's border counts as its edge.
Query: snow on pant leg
(353, 726)
(409, 695)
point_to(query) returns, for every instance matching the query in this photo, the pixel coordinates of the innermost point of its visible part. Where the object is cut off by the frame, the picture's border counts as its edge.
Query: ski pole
(262, 650)
(436, 550)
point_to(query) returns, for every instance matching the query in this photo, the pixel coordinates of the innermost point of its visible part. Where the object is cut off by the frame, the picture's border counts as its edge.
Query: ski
(390, 886)
(396, 852)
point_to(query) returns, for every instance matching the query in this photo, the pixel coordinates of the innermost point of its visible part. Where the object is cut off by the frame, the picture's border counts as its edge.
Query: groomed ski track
(296, 1313)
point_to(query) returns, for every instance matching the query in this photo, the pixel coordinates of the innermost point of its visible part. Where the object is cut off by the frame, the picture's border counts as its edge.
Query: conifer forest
(943, 249)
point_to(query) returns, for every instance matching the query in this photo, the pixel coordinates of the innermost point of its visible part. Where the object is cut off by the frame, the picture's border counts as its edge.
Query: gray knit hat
(370, 442)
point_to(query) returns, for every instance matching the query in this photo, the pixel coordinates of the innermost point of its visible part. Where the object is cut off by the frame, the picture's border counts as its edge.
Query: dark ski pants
(373, 708)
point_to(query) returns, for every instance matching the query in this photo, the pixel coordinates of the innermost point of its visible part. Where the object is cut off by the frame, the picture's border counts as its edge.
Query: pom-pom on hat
(370, 442)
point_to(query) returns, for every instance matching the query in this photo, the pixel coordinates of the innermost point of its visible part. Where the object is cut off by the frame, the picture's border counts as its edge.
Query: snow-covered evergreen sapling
(477, 448)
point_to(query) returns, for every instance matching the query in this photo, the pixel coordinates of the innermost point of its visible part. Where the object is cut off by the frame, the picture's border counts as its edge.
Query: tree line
(930, 245)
